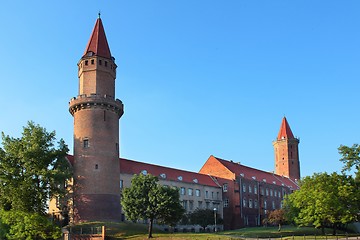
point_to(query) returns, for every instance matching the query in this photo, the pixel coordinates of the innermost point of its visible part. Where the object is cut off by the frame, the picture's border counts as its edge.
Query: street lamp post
(215, 218)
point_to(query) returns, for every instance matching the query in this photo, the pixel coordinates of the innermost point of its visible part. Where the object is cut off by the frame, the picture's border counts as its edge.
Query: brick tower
(286, 148)
(96, 115)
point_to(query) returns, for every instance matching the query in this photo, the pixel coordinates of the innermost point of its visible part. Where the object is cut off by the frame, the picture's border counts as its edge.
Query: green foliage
(28, 226)
(32, 170)
(351, 159)
(204, 217)
(324, 200)
(148, 200)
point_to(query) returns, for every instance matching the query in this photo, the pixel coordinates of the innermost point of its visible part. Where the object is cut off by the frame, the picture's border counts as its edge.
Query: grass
(133, 231)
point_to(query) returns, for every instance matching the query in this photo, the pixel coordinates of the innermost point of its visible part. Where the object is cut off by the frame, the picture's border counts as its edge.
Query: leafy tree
(204, 217)
(277, 217)
(351, 159)
(148, 200)
(28, 226)
(32, 170)
(324, 200)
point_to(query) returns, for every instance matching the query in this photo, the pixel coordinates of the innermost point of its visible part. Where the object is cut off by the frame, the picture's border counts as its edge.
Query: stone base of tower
(97, 207)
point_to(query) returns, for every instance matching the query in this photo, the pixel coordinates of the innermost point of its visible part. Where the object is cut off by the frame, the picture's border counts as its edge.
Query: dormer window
(195, 180)
(144, 172)
(180, 178)
(163, 175)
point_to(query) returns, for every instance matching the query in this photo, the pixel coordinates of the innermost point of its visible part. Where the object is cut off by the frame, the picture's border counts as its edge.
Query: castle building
(96, 115)
(241, 195)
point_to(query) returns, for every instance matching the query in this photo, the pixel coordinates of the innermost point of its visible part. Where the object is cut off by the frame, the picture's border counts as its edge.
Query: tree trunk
(334, 229)
(279, 229)
(150, 227)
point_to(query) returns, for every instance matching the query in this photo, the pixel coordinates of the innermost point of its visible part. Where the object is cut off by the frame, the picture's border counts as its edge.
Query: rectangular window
(105, 63)
(244, 202)
(197, 192)
(273, 205)
(262, 191)
(275, 193)
(182, 191)
(191, 205)
(255, 189)
(206, 194)
(250, 203)
(212, 195)
(121, 184)
(265, 204)
(225, 187)
(250, 189)
(255, 204)
(190, 191)
(86, 143)
(92, 61)
(86, 62)
(184, 204)
(244, 187)
(100, 62)
(271, 193)
(267, 192)
(226, 202)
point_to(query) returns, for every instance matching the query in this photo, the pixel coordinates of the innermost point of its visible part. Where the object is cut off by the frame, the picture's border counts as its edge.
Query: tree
(204, 217)
(277, 217)
(324, 200)
(146, 199)
(351, 159)
(32, 170)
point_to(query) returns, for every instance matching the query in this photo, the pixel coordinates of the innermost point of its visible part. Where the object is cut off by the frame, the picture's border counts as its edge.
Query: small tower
(96, 115)
(286, 148)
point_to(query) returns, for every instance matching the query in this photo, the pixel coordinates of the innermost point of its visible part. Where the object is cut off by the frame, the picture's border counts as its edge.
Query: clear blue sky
(196, 77)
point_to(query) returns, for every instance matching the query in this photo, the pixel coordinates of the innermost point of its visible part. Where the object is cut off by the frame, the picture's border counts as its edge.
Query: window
(273, 205)
(244, 187)
(207, 205)
(275, 193)
(250, 189)
(255, 204)
(244, 202)
(92, 61)
(217, 195)
(206, 194)
(86, 62)
(182, 191)
(225, 187)
(255, 189)
(86, 143)
(271, 193)
(250, 203)
(96, 166)
(199, 204)
(191, 205)
(262, 191)
(197, 192)
(265, 204)
(267, 192)
(121, 184)
(100, 62)
(184, 203)
(190, 191)
(105, 63)
(212, 195)
(226, 202)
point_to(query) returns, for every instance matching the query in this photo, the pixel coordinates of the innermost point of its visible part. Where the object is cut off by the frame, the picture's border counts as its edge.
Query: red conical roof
(285, 130)
(98, 43)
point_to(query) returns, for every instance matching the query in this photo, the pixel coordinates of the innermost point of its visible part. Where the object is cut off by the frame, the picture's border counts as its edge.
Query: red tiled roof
(97, 42)
(285, 130)
(70, 158)
(133, 167)
(258, 175)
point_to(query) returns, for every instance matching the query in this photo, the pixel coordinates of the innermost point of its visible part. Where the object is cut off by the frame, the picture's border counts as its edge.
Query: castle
(241, 195)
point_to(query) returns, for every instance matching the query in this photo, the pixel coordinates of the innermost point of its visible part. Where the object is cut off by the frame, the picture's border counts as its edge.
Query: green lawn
(139, 231)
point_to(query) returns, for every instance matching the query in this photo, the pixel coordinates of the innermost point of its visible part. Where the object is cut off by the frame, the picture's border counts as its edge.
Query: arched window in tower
(86, 143)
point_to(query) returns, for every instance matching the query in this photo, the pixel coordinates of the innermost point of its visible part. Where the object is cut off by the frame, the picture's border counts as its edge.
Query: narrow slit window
(100, 62)
(86, 62)
(86, 143)
(105, 63)
(96, 166)
(92, 61)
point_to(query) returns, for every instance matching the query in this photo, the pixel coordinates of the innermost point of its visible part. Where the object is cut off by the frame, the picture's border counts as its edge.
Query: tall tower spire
(287, 152)
(96, 115)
